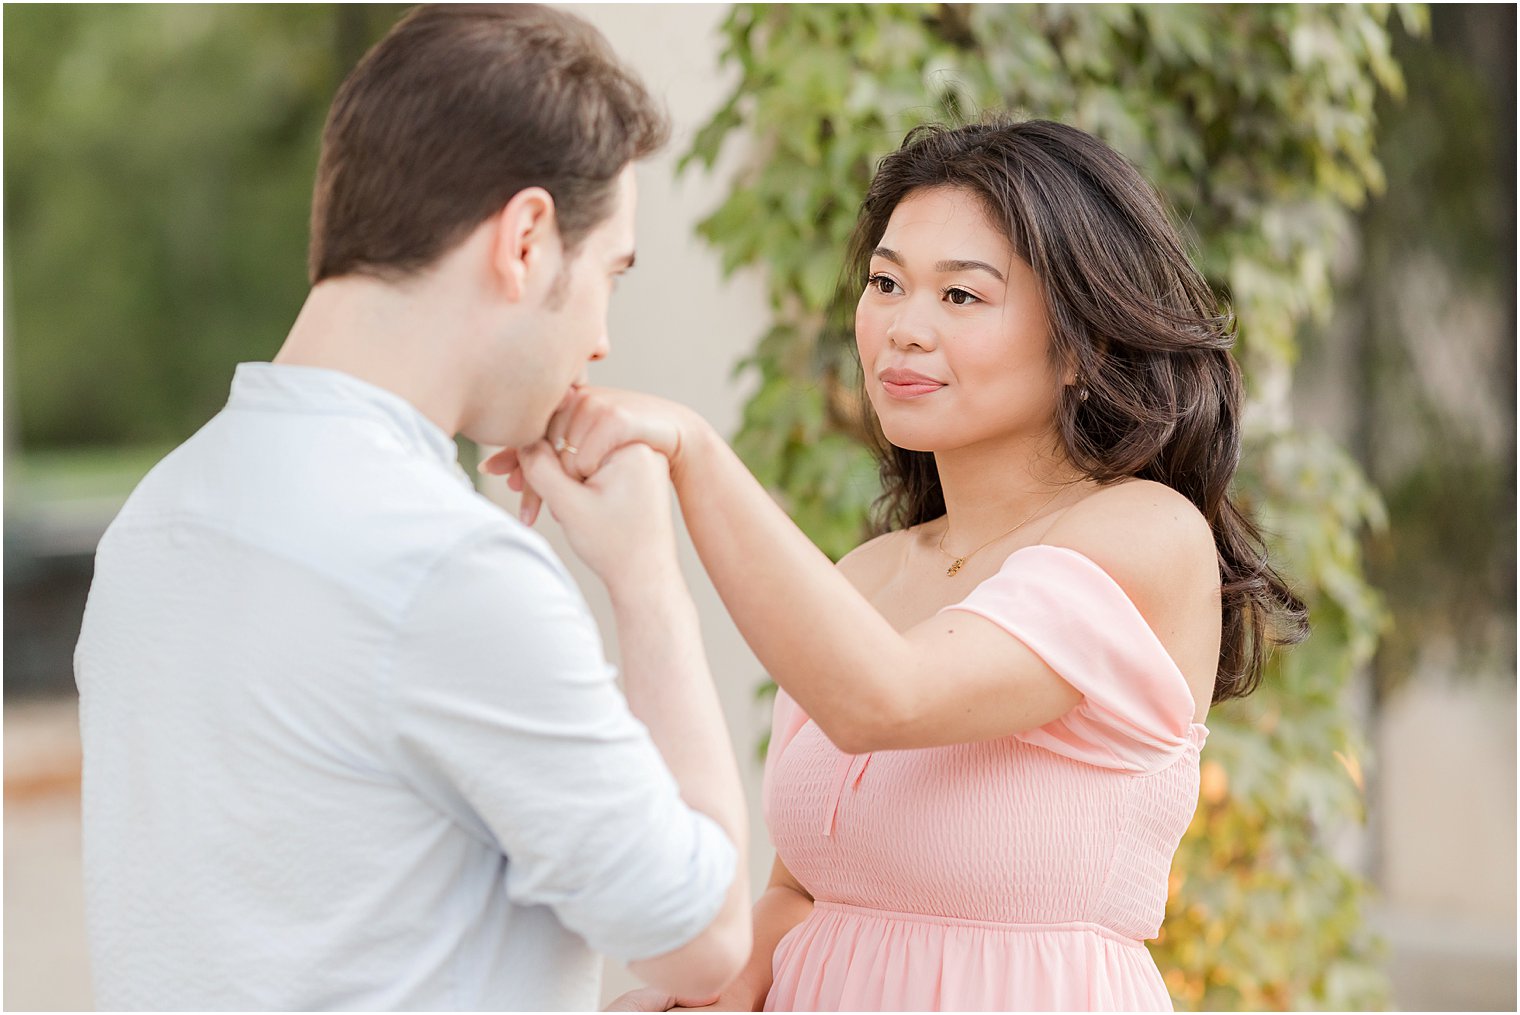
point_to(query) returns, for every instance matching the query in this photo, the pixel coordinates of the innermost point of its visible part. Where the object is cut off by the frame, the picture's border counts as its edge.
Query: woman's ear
(1071, 371)
(527, 250)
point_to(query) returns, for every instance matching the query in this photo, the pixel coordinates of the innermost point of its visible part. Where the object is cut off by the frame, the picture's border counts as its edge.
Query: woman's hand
(589, 425)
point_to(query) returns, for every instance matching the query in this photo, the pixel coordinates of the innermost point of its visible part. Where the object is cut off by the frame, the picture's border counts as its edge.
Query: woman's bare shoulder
(1151, 539)
(1160, 550)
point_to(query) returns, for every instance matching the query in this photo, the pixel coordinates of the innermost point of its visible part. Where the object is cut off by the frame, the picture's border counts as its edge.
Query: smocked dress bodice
(1020, 873)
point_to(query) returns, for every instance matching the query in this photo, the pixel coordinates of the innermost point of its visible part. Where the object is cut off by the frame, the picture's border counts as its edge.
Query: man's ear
(527, 247)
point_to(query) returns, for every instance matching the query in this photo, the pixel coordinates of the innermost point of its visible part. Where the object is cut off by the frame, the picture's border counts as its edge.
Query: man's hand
(619, 520)
(592, 423)
(643, 999)
(650, 999)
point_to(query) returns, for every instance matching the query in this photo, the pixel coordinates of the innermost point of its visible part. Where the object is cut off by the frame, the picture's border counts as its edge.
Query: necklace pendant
(950, 571)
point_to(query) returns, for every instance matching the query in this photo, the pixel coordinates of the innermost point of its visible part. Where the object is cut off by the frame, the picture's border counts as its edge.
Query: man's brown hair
(458, 108)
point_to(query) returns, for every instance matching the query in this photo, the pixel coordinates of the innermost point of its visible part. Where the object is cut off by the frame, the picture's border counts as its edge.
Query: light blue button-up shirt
(350, 739)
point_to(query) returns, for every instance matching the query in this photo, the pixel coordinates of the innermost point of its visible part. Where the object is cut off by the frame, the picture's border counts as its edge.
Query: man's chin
(509, 433)
(491, 439)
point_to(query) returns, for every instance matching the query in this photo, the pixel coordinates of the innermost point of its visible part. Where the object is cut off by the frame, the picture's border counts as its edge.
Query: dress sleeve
(1136, 709)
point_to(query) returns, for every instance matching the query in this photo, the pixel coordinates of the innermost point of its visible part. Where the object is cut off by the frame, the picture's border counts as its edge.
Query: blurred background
(158, 164)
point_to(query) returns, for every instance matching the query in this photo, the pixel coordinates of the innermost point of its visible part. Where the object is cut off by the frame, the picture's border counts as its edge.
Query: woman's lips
(907, 384)
(909, 390)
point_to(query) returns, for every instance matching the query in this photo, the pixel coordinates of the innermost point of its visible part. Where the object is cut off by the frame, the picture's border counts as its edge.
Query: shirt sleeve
(1136, 708)
(507, 716)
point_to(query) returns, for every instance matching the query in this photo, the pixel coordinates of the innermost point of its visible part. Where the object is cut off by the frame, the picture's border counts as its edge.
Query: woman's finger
(501, 463)
(562, 430)
(593, 435)
(601, 426)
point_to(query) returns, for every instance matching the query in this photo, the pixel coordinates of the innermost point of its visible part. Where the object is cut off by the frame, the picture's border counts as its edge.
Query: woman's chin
(909, 440)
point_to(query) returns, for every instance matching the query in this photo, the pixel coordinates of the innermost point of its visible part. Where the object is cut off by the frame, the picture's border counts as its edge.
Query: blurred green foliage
(1430, 312)
(159, 161)
(1256, 122)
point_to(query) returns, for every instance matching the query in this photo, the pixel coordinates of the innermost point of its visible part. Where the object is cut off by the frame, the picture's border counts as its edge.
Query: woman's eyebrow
(888, 254)
(948, 266)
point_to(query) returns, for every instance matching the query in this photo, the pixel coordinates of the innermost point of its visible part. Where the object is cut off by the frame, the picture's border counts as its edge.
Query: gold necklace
(960, 562)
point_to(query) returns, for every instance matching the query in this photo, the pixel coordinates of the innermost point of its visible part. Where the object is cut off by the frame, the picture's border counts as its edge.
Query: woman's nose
(909, 330)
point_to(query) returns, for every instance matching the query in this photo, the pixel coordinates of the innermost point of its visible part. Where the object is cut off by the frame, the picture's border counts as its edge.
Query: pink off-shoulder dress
(1016, 874)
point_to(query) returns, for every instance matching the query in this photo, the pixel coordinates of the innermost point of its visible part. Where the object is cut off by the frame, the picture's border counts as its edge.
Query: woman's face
(952, 331)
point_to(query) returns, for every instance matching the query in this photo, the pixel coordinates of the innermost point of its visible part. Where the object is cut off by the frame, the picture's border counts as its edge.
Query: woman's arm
(955, 678)
(867, 685)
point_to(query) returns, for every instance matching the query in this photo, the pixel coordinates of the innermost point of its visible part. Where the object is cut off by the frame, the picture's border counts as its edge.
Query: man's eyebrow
(887, 253)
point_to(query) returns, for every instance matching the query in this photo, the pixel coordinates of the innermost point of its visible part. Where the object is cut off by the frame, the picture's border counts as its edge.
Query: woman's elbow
(878, 725)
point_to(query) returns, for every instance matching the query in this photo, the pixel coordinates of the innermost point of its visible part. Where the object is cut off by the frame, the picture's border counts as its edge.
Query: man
(350, 740)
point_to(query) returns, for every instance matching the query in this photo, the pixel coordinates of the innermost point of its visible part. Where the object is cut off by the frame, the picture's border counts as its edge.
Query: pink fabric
(1021, 873)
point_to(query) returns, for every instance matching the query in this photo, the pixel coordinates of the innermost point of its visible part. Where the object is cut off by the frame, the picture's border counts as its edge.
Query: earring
(1082, 393)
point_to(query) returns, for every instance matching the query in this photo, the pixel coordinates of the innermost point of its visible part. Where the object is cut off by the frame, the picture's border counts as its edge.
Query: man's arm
(666, 681)
(620, 523)
(783, 905)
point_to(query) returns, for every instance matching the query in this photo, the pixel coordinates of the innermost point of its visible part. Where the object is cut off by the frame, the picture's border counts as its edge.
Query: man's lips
(901, 383)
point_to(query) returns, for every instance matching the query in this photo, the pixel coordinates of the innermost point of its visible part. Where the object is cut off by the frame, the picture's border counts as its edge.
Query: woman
(985, 747)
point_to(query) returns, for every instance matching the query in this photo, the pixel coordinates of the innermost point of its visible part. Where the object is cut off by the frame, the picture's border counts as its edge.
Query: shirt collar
(284, 387)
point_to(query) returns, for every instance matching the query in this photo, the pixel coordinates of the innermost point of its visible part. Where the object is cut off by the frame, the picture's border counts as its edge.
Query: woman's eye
(883, 284)
(960, 297)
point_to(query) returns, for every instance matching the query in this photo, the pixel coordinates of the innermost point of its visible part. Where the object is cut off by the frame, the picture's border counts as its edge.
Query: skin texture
(860, 646)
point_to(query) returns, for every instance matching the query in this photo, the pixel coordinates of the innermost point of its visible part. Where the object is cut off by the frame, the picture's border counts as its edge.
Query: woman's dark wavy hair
(1129, 310)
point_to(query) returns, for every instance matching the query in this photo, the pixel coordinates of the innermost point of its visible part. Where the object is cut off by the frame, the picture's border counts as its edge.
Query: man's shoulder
(375, 522)
(415, 531)
(491, 545)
